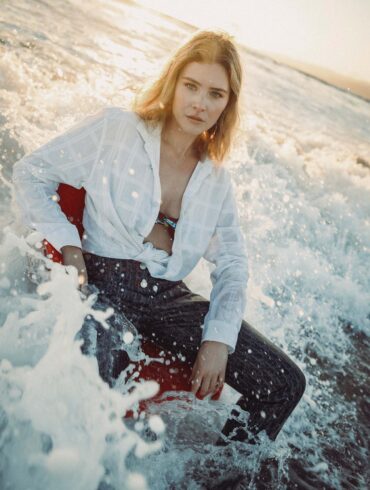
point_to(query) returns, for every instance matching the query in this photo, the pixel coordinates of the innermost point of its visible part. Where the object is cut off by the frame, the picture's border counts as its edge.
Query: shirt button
(142, 266)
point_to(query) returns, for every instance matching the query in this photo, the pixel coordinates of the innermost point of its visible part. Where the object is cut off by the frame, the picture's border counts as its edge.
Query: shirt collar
(152, 140)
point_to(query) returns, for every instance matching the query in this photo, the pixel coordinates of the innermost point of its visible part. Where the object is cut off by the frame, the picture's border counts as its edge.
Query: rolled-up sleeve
(69, 158)
(229, 278)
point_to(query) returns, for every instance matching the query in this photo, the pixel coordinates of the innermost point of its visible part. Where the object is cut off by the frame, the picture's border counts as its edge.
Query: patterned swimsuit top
(168, 222)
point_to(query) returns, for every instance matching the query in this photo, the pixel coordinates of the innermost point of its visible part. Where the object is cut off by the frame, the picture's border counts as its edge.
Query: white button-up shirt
(115, 156)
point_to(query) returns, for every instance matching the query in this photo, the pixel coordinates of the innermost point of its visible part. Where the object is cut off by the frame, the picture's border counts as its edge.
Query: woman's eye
(216, 95)
(191, 86)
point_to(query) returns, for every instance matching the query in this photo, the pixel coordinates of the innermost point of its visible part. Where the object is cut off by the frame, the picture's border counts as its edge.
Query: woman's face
(201, 94)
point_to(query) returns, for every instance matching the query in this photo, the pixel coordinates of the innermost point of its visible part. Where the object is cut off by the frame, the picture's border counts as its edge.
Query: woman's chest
(129, 186)
(174, 180)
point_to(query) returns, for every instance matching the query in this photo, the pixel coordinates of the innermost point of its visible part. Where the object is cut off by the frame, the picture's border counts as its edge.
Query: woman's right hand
(73, 256)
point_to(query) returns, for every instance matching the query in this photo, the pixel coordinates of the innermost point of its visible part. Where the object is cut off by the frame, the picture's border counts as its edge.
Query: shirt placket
(152, 147)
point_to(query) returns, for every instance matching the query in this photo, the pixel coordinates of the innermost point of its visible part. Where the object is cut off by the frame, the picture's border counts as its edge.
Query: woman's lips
(195, 119)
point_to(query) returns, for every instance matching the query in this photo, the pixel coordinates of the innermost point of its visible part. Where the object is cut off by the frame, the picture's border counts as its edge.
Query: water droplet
(128, 337)
(143, 283)
(156, 424)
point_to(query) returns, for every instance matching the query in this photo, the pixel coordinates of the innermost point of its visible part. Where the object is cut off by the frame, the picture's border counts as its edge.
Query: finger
(195, 382)
(220, 381)
(194, 372)
(82, 277)
(218, 384)
(205, 386)
(214, 384)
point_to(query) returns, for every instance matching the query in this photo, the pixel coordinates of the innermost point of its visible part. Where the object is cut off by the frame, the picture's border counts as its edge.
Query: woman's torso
(128, 187)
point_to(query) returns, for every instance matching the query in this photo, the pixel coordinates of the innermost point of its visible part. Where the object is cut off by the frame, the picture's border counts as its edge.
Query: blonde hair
(154, 105)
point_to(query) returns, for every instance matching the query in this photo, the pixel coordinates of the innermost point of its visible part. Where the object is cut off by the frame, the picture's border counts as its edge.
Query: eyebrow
(212, 88)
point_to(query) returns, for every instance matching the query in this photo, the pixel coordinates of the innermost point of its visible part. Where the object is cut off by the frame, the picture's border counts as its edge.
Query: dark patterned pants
(169, 314)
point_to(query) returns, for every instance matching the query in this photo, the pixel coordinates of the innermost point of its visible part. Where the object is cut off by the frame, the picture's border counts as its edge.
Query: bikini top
(169, 223)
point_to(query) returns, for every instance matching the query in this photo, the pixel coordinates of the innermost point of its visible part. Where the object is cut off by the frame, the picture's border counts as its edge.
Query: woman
(157, 200)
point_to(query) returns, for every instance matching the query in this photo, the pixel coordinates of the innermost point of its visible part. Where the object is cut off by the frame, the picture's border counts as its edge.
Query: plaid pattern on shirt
(115, 156)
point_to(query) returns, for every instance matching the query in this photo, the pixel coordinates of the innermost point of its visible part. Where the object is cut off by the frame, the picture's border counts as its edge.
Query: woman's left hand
(209, 369)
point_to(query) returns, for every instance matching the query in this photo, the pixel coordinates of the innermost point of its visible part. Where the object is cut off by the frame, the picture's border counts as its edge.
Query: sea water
(301, 170)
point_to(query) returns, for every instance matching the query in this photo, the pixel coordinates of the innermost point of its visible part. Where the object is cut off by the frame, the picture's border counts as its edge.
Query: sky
(333, 34)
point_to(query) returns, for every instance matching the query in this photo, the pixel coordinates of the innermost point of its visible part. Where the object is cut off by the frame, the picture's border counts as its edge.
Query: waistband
(114, 275)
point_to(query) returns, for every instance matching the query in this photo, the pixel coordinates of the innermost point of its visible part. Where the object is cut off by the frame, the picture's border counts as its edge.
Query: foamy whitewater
(301, 167)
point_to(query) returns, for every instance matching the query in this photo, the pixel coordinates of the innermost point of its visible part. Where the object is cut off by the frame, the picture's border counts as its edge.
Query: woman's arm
(228, 297)
(227, 252)
(73, 256)
(69, 158)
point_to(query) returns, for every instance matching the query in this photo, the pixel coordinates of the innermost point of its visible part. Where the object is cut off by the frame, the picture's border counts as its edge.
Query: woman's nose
(199, 102)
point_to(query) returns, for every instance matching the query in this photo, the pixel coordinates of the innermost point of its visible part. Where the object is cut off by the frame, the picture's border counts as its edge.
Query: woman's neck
(177, 142)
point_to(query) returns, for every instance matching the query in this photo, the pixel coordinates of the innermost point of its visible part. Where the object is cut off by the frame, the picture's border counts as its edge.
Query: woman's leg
(107, 344)
(170, 315)
(117, 285)
(270, 383)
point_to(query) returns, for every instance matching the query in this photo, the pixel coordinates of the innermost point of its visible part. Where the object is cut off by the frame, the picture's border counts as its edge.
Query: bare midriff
(160, 238)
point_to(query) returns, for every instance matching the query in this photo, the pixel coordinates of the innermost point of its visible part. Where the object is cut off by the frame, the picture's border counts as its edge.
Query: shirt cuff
(218, 331)
(60, 235)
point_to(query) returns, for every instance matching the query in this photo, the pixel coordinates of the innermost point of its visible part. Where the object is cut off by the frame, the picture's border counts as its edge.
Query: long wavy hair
(154, 104)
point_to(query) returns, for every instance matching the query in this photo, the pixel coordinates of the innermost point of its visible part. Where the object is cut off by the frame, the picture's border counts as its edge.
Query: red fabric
(72, 202)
